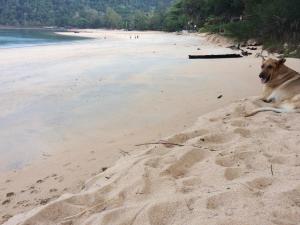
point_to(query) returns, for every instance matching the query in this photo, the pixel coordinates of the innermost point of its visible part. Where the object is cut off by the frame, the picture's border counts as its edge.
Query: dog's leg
(266, 93)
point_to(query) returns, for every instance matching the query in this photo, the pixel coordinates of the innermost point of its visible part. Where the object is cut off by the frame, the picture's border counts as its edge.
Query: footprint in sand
(260, 183)
(153, 162)
(216, 139)
(188, 184)
(34, 191)
(22, 202)
(157, 213)
(227, 161)
(39, 181)
(191, 181)
(284, 218)
(278, 159)
(184, 137)
(67, 164)
(220, 200)
(10, 194)
(186, 161)
(232, 173)
(6, 217)
(53, 190)
(6, 202)
(239, 123)
(59, 179)
(293, 197)
(235, 159)
(243, 132)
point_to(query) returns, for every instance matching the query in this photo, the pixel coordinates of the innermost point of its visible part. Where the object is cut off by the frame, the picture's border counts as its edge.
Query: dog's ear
(281, 61)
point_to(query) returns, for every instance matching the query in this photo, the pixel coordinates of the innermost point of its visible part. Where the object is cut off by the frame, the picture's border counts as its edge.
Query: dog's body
(281, 87)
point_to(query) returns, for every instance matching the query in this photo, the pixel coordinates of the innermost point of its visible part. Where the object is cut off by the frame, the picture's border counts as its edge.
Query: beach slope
(225, 170)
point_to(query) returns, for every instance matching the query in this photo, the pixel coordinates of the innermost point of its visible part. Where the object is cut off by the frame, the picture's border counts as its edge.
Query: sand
(229, 170)
(221, 175)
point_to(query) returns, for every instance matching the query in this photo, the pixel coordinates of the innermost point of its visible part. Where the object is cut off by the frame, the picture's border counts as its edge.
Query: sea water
(12, 38)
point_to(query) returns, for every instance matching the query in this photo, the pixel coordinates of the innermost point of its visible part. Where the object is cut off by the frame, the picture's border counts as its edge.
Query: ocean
(14, 38)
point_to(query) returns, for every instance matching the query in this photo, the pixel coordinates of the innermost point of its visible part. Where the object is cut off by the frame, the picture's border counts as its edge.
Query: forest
(274, 22)
(128, 14)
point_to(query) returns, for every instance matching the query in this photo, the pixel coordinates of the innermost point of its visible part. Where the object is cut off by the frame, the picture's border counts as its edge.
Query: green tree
(140, 21)
(176, 18)
(112, 18)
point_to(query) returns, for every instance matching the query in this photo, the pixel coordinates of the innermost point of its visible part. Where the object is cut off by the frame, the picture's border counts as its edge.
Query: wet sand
(69, 111)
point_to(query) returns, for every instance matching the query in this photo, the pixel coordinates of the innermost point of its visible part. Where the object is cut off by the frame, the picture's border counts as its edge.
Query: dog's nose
(261, 75)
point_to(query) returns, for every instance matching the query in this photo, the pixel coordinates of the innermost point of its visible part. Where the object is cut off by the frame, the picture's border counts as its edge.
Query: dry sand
(222, 174)
(229, 170)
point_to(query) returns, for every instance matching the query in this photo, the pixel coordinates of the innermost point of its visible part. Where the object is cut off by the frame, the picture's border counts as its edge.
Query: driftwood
(168, 144)
(160, 143)
(219, 56)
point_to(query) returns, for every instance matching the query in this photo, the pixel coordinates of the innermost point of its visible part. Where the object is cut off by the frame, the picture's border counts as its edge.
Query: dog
(281, 87)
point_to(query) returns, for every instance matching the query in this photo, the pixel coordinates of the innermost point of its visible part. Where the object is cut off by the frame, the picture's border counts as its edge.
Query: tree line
(128, 14)
(271, 21)
(274, 22)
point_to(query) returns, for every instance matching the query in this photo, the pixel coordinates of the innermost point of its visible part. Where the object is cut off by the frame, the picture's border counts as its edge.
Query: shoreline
(55, 175)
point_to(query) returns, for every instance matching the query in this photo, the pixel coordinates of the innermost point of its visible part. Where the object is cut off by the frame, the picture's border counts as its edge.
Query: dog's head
(269, 69)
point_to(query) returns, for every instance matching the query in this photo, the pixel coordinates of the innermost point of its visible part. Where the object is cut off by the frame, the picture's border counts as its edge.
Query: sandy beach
(228, 170)
(75, 113)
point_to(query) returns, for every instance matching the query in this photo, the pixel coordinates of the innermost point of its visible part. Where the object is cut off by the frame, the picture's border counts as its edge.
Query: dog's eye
(270, 67)
(262, 66)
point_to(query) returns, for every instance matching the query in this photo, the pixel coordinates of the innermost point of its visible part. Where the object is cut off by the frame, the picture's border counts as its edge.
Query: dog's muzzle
(264, 77)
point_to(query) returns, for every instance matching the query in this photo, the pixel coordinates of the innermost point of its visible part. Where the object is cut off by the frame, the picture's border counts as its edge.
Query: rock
(253, 42)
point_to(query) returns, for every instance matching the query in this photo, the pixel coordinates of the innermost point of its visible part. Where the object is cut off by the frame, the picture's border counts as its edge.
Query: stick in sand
(167, 143)
(272, 170)
(160, 143)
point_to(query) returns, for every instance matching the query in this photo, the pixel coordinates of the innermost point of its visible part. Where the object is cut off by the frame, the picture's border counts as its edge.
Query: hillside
(80, 13)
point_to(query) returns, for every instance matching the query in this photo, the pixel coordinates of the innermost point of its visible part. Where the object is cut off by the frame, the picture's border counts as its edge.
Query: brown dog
(281, 87)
